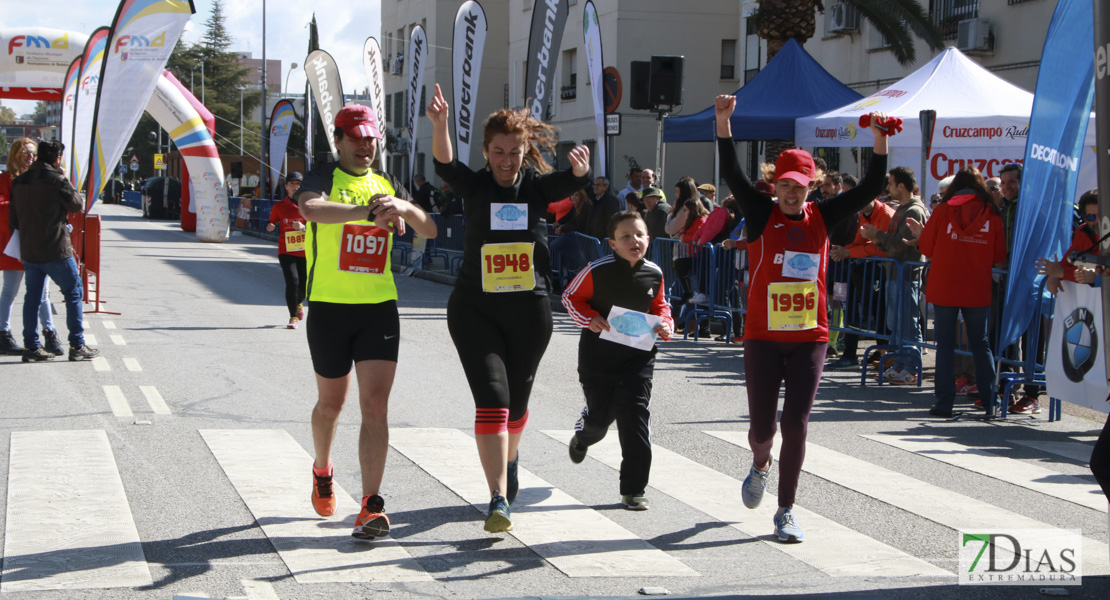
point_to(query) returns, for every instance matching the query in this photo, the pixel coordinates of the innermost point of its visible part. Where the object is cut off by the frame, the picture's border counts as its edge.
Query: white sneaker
(699, 298)
(901, 378)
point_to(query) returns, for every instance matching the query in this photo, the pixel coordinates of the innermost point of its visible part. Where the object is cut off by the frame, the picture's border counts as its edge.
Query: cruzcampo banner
(591, 33)
(549, 17)
(144, 33)
(327, 88)
(84, 108)
(372, 62)
(1074, 366)
(170, 105)
(281, 125)
(417, 60)
(35, 59)
(469, 46)
(69, 104)
(1057, 130)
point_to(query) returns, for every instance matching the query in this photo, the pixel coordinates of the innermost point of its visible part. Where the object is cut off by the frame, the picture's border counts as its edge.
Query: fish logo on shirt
(509, 213)
(802, 262)
(630, 324)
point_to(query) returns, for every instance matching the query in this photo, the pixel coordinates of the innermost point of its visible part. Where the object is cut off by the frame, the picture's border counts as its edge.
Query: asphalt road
(190, 495)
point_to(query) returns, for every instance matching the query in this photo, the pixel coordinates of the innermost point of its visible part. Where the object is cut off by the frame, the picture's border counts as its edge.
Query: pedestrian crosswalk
(54, 475)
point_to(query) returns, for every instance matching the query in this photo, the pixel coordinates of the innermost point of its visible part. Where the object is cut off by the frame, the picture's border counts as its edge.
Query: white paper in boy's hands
(631, 328)
(12, 248)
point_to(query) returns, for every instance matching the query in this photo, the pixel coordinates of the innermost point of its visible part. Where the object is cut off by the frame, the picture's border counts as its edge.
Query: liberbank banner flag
(469, 46)
(591, 31)
(1074, 367)
(372, 62)
(84, 108)
(144, 34)
(323, 79)
(549, 17)
(69, 104)
(418, 57)
(281, 125)
(1057, 128)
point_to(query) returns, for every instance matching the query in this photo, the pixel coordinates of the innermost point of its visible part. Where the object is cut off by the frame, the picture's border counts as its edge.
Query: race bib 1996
(363, 249)
(792, 306)
(507, 267)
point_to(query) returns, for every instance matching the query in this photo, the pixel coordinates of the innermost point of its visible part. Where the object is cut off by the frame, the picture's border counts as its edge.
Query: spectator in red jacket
(1084, 240)
(964, 240)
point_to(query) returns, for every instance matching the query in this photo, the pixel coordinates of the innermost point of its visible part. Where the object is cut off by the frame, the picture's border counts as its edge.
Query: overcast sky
(343, 27)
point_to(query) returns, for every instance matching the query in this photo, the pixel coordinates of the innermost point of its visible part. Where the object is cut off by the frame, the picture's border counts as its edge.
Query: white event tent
(980, 118)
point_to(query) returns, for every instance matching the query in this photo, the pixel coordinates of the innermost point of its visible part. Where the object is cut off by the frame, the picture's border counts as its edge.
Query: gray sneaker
(83, 353)
(635, 501)
(786, 528)
(577, 453)
(754, 484)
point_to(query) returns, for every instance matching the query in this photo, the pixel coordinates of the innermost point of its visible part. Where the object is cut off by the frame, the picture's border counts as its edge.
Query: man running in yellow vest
(352, 214)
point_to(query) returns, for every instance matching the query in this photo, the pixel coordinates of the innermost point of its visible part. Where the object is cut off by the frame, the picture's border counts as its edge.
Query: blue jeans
(64, 273)
(908, 357)
(12, 280)
(945, 326)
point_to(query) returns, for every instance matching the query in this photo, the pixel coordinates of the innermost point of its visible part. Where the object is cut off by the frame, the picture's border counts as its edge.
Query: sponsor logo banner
(549, 17)
(37, 56)
(84, 109)
(591, 31)
(469, 45)
(144, 34)
(372, 62)
(1074, 364)
(418, 54)
(1021, 557)
(327, 88)
(281, 125)
(69, 106)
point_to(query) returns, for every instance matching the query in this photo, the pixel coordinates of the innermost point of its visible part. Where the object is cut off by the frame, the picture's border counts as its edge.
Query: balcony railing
(947, 14)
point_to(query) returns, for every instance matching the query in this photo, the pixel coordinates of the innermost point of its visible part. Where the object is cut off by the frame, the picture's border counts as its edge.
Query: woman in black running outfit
(499, 315)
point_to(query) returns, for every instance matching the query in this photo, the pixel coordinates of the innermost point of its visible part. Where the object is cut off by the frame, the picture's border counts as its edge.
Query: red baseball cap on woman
(795, 165)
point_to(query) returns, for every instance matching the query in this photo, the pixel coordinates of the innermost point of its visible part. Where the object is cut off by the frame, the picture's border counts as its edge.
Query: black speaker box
(640, 98)
(237, 170)
(666, 80)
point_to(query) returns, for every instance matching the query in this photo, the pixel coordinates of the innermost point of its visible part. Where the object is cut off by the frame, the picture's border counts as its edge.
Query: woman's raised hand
(579, 160)
(438, 109)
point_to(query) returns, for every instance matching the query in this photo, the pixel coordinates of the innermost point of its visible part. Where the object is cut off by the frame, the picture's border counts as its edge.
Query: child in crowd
(616, 378)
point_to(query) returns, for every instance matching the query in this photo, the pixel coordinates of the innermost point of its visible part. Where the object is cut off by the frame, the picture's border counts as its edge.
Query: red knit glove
(889, 127)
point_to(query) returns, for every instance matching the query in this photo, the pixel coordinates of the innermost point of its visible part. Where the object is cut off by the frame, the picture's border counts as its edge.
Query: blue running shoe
(786, 528)
(754, 484)
(499, 519)
(514, 481)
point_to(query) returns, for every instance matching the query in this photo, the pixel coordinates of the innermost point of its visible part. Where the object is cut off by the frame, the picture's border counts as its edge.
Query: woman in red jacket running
(963, 240)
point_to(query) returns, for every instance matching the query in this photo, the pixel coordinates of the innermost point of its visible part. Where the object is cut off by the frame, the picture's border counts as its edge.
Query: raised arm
(438, 113)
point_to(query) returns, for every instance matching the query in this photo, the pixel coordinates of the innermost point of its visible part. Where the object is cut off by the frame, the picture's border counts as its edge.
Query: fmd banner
(549, 17)
(281, 125)
(69, 106)
(88, 85)
(469, 46)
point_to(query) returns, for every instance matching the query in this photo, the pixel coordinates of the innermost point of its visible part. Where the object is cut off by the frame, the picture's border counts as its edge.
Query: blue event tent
(792, 85)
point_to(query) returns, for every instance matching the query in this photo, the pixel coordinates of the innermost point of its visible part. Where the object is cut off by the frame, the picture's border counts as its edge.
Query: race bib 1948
(363, 249)
(507, 267)
(792, 306)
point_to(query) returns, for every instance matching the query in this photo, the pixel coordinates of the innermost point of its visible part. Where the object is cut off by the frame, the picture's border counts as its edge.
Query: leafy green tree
(39, 116)
(7, 115)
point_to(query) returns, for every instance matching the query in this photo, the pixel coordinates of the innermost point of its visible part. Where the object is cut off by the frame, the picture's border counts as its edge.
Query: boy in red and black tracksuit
(616, 379)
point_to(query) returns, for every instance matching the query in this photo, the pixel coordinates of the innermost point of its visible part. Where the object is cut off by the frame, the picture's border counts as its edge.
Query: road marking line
(271, 473)
(155, 400)
(1074, 450)
(118, 340)
(926, 500)
(101, 364)
(132, 364)
(574, 538)
(90, 339)
(830, 547)
(259, 590)
(69, 525)
(1084, 492)
(109, 324)
(117, 401)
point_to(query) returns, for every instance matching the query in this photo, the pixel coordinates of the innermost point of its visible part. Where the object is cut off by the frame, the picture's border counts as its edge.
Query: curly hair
(15, 167)
(539, 137)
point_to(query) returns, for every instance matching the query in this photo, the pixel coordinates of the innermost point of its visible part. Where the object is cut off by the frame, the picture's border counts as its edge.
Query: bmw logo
(1080, 347)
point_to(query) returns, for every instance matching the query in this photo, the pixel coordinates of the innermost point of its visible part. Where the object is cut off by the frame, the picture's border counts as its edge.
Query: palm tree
(899, 21)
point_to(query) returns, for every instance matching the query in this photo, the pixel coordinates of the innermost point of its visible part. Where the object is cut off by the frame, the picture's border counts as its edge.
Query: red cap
(795, 165)
(358, 121)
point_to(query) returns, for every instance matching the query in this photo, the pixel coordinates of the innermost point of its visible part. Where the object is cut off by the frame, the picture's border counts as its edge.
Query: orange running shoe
(372, 521)
(323, 500)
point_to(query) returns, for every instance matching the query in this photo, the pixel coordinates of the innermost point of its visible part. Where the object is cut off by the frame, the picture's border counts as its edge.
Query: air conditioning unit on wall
(841, 18)
(974, 35)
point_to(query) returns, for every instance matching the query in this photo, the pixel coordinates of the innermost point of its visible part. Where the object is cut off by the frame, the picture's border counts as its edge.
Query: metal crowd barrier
(448, 244)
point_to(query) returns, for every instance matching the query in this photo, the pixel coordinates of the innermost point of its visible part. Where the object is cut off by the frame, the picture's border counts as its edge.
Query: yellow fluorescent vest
(326, 283)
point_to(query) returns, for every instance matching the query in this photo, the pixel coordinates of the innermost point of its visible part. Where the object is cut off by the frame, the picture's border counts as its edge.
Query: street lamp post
(241, 88)
(291, 67)
(263, 164)
(201, 80)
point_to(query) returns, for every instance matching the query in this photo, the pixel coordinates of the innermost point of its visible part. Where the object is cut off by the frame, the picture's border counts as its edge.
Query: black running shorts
(342, 334)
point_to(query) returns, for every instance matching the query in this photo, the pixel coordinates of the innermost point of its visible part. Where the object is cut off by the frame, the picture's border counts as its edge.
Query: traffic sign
(612, 87)
(159, 161)
(122, 169)
(613, 124)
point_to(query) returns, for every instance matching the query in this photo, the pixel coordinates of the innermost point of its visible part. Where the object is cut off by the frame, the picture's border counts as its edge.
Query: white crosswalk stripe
(68, 525)
(1076, 451)
(830, 547)
(271, 473)
(939, 505)
(574, 538)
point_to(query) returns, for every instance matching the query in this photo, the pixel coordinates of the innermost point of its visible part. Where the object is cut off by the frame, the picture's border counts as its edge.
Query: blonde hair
(767, 169)
(14, 164)
(539, 137)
